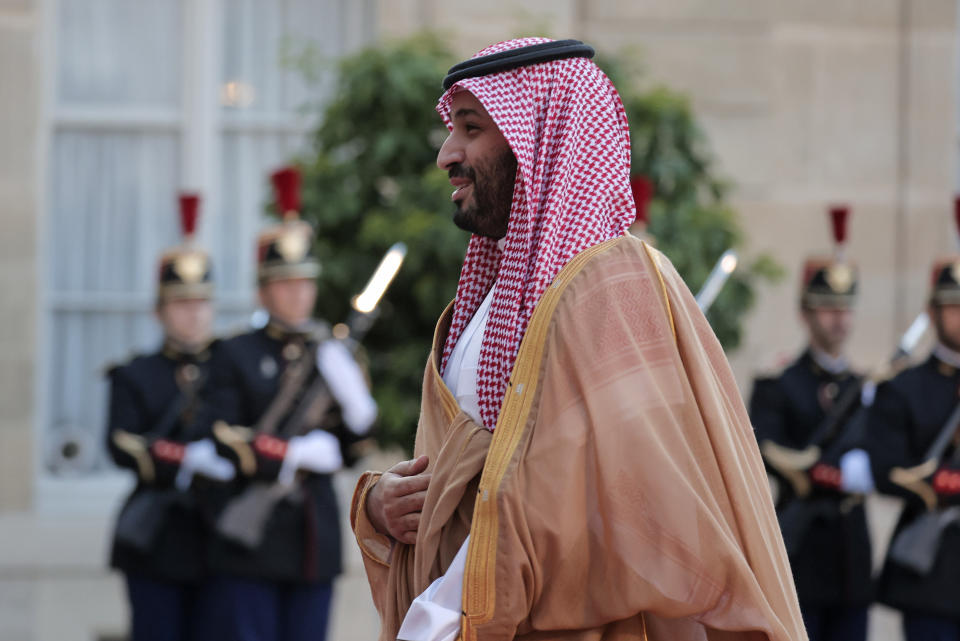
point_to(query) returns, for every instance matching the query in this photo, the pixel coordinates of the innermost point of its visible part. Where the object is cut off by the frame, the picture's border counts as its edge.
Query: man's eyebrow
(466, 111)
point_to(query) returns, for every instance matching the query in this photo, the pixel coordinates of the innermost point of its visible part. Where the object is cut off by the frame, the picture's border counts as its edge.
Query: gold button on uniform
(292, 351)
(830, 390)
(190, 372)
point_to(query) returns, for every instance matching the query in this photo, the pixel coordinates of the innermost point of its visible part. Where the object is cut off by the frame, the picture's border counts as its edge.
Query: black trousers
(255, 610)
(925, 627)
(835, 623)
(166, 610)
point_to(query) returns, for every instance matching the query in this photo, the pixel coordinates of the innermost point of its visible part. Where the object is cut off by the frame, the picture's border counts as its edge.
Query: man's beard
(949, 341)
(828, 338)
(492, 196)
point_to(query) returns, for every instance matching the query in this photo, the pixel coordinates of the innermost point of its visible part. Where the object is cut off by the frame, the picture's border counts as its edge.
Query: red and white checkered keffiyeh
(566, 125)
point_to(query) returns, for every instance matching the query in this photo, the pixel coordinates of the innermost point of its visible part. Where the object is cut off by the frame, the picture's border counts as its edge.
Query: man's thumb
(411, 467)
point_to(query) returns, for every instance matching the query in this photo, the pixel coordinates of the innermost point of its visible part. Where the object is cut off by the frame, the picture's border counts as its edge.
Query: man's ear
(261, 296)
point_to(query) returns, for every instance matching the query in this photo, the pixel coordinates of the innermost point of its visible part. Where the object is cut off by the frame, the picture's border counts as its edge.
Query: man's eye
(470, 127)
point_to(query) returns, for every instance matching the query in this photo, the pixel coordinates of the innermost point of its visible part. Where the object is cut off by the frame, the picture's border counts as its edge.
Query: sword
(715, 281)
(908, 342)
(365, 304)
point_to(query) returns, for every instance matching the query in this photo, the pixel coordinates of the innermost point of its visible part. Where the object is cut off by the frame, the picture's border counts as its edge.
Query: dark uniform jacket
(301, 541)
(145, 397)
(906, 417)
(831, 562)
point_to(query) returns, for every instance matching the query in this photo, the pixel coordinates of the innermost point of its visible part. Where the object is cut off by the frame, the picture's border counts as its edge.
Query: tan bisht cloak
(621, 496)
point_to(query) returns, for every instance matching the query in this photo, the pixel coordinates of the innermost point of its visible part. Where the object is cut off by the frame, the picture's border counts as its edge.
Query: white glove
(348, 386)
(317, 451)
(855, 470)
(201, 458)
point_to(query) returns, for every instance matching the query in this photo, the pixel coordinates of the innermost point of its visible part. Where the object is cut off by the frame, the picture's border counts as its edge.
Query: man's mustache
(461, 171)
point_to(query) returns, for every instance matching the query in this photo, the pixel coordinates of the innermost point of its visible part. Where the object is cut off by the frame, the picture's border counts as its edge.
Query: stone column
(20, 73)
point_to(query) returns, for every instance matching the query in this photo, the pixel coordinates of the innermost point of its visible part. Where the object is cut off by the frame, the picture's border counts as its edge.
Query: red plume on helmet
(956, 214)
(286, 187)
(184, 271)
(189, 211)
(839, 214)
(642, 188)
(839, 217)
(831, 282)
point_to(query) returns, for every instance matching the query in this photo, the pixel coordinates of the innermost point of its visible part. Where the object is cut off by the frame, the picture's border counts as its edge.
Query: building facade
(108, 107)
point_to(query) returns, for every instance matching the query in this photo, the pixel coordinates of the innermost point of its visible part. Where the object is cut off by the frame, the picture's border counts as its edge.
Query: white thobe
(435, 614)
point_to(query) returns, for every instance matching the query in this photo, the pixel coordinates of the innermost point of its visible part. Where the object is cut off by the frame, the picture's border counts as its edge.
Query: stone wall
(19, 148)
(804, 103)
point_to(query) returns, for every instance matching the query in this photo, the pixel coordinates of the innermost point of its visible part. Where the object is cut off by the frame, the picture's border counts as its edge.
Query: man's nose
(451, 153)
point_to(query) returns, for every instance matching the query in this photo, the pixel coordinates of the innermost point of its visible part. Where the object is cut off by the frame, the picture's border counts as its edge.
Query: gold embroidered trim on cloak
(663, 288)
(359, 508)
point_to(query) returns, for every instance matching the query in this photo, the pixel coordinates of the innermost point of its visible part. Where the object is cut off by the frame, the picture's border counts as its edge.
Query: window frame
(200, 129)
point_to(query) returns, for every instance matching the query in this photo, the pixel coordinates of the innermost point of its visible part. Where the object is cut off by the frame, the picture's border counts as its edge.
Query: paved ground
(882, 513)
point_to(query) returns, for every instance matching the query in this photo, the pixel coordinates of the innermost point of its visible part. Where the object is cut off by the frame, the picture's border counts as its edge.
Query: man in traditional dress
(806, 420)
(579, 420)
(913, 449)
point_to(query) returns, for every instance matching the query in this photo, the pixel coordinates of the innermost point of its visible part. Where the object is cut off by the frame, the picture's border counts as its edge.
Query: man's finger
(399, 507)
(398, 486)
(407, 523)
(410, 503)
(411, 467)
(410, 484)
(410, 538)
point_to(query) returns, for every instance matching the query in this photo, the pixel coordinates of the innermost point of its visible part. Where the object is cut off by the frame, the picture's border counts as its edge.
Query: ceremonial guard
(288, 402)
(803, 423)
(153, 429)
(913, 448)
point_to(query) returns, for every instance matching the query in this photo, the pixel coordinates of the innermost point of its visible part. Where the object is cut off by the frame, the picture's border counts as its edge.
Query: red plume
(956, 211)
(642, 188)
(189, 210)
(286, 186)
(838, 216)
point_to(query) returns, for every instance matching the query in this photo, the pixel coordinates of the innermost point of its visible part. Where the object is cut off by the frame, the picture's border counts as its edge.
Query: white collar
(831, 364)
(947, 355)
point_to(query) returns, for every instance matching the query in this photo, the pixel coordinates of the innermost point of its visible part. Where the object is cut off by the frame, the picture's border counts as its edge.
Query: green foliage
(372, 181)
